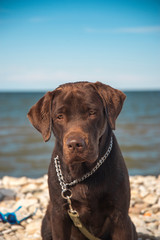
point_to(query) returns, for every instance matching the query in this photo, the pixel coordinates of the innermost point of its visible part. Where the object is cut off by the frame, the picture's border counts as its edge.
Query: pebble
(32, 194)
(151, 199)
(7, 194)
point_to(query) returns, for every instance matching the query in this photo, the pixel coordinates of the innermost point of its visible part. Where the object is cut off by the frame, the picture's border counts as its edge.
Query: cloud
(152, 29)
(95, 30)
(20, 78)
(131, 30)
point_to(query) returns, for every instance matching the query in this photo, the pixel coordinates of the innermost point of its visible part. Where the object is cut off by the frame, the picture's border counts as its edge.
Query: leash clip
(71, 210)
(67, 194)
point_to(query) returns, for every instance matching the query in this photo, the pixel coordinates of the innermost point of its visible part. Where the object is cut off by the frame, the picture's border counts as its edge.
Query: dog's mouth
(78, 166)
(76, 159)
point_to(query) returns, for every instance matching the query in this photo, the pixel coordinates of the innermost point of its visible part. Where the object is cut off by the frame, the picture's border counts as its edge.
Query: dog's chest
(81, 199)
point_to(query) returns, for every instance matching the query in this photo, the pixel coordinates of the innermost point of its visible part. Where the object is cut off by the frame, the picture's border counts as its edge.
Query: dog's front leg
(124, 230)
(61, 227)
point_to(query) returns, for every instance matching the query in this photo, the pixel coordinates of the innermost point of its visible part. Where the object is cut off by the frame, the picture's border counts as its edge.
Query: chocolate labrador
(87, 178)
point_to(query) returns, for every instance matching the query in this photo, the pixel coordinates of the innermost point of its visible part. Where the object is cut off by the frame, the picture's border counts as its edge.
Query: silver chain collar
(65, 186)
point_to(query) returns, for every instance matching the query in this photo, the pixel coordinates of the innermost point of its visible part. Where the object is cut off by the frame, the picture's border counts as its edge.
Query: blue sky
(47, 43)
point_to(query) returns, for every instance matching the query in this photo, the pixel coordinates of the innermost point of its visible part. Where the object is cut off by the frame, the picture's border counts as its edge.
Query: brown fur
(82, 116)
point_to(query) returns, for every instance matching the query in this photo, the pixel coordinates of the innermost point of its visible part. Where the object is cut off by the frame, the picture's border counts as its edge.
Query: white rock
(143, 230)
(143, 191)
(151, 199)
(31, 187)
(12, 181)
(33, 227)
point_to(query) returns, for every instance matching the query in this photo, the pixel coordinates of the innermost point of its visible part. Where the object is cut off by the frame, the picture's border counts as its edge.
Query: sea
(23, 152)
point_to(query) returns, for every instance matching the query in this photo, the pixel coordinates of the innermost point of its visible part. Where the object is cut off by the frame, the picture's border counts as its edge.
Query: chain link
(65, 186)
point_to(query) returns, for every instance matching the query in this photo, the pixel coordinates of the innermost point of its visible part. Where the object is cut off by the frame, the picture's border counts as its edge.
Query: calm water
(23, 152)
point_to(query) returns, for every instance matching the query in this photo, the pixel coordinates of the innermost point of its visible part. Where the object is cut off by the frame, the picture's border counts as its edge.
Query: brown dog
(82, 116)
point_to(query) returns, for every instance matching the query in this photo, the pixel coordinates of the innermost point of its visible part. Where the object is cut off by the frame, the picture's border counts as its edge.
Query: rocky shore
(32, 194)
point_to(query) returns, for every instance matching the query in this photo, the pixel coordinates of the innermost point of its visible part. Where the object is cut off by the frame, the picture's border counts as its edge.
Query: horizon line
(46, 90)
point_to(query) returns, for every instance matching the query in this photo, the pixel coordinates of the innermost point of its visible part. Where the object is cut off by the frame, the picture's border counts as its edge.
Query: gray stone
(7, 194)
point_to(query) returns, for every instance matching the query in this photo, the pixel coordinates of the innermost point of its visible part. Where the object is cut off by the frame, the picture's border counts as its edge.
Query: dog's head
(79, 114)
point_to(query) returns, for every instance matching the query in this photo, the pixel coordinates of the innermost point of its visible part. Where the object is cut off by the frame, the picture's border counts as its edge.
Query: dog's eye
(59, 116)
(92, 112)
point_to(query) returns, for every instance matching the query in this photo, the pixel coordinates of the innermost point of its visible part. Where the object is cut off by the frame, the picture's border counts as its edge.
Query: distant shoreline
(44, 91)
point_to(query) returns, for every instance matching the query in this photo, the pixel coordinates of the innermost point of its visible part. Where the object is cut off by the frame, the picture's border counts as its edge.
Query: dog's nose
(76, 144)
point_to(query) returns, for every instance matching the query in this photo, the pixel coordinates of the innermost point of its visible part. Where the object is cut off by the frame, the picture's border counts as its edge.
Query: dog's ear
(113, 100)
(40, 115)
